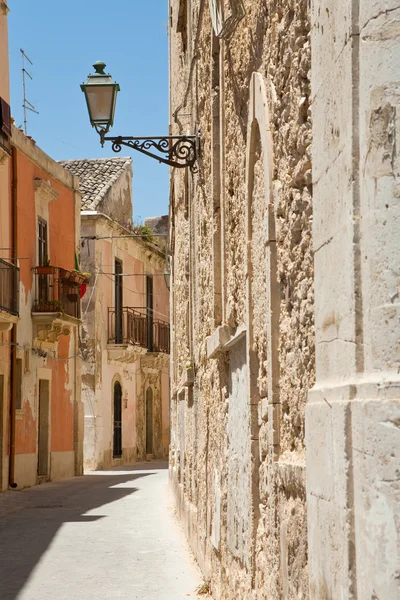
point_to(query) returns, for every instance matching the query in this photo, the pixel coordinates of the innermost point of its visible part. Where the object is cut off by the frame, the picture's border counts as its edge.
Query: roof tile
(96, 176)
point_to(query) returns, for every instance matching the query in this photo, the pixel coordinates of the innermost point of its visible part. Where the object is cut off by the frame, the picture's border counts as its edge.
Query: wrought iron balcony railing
(137, 327)
(9, 287)
(54, 293)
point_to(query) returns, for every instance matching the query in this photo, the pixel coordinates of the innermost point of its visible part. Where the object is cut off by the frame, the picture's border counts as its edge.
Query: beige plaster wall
(242, 302)
(117, 202)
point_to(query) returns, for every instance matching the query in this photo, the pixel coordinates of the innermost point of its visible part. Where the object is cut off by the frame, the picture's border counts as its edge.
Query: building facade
(353, 411)
(48, 409)
(41, 417)
(125, 323)
(9, 272)
(243, 310)
(284, 313)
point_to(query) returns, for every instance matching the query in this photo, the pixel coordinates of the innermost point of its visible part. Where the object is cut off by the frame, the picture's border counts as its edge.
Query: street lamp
(101, 91)
(101, 97)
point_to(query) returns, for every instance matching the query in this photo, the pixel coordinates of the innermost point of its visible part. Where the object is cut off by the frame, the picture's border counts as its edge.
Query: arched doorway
(117, 447)
(149, 421)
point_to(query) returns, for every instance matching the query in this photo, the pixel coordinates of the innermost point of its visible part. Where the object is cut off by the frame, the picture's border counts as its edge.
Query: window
(5, 118)
(43, 258)
(149, 311)
(118, 302)
(181, 26)
(42, 242)
(5, 124)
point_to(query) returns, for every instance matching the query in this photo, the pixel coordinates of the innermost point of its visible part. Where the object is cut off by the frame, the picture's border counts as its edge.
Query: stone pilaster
(353, 413)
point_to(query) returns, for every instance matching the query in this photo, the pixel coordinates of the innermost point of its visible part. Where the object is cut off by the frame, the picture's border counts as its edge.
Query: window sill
(222, 340)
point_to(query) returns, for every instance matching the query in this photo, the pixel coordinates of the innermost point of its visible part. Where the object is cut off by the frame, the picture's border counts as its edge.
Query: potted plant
(65, 274)
(48, 306)
(86, 277)
(76, 277)
(44, 269)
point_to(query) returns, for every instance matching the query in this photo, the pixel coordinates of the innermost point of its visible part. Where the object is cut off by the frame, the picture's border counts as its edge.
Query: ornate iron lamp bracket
(179, 151)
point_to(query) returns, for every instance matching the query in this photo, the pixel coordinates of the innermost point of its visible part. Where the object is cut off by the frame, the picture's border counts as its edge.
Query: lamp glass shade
(101, 96)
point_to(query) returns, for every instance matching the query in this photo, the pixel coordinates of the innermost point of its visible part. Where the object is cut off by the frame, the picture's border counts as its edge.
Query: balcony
(56, 303)
(133, 329)
(9, 295)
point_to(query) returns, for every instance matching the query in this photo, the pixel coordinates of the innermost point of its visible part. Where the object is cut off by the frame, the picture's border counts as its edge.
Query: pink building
(125, 312)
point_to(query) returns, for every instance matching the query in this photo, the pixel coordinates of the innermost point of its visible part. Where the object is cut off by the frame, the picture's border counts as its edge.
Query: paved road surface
(110, 535)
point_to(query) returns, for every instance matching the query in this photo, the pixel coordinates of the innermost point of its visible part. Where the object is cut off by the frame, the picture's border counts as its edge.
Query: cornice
(55, 171)
(3, 155)
(45, 190)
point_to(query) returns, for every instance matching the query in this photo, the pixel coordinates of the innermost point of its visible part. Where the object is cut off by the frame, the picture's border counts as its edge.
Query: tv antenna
(26, 105)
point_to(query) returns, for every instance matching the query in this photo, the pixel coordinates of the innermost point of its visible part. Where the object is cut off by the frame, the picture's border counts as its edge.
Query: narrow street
(108, 535)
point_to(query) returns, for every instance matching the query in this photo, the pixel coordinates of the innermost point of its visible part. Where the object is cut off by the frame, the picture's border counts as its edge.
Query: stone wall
(242, 301)
(117, 202)
(353, 434)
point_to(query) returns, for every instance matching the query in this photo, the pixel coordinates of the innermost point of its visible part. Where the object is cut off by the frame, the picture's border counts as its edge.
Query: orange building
(8, 267)
(41, 416)
(41, 420)
(46, 428)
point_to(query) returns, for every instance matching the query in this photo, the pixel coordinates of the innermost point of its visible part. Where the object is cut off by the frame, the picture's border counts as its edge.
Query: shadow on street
(29, 519)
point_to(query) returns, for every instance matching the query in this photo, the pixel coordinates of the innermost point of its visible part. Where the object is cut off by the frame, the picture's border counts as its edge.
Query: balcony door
(118, 302)
(149, 311)
(42, 242)
(43, 257)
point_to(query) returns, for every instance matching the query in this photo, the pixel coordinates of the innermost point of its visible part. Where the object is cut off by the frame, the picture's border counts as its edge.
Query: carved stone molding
(51, 333)
(3, 155)
(44, 189)
(7, 320)
(47, 328)
(157, 361)
(124, 353)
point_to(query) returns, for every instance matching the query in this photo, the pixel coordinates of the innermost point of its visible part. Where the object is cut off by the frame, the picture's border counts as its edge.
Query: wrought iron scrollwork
(175, 151)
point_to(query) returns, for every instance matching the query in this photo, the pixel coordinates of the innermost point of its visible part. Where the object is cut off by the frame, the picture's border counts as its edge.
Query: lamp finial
(99, 67)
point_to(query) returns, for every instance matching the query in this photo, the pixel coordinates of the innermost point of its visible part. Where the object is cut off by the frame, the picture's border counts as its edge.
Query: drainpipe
(13, 350)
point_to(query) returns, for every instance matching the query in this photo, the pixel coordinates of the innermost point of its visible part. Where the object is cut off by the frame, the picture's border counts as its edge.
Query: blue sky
(63, 39)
